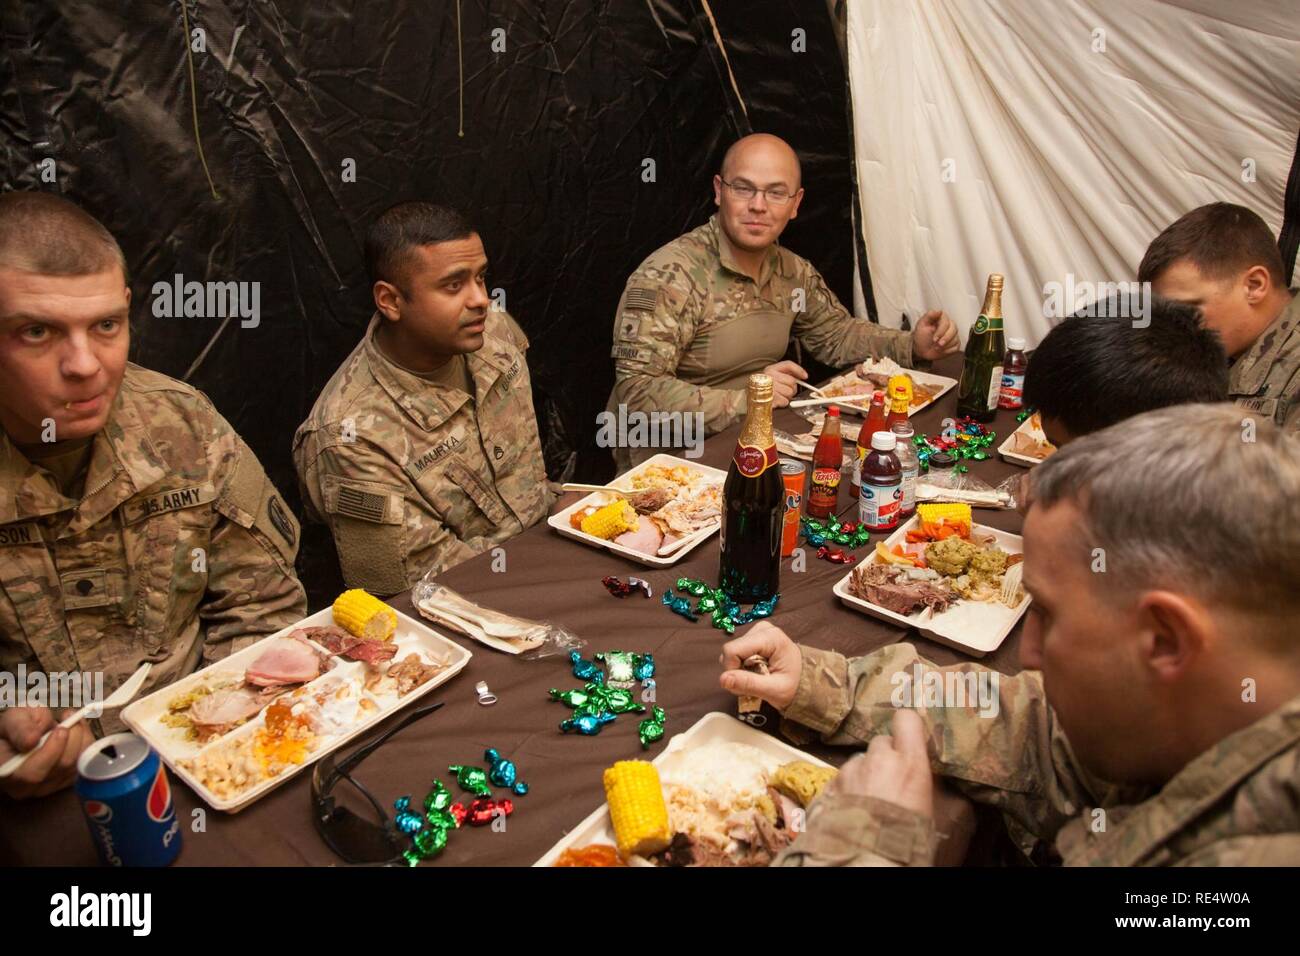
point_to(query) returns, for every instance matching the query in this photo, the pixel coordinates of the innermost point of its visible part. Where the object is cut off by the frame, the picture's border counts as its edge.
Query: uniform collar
(427, 403)
(727, 254)
(123, 462)
(1252, 367)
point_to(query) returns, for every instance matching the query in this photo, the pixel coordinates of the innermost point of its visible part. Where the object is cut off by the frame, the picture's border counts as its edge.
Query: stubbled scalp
(46, 234)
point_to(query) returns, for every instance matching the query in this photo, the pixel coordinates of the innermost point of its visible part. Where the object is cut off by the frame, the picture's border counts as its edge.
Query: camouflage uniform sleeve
(360, 493)
(516, 332)
(1016, 759)
(1273, 849)
(845, 829)
(655, 323)
(1291, 420)
(836, 338)
(252, 588)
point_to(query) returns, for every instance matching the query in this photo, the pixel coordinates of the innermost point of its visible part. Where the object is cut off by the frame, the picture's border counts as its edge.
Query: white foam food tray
(1008, 443)
(709, 729)
(975, 627)
(560, 521)
(345, 684)
(940, 384)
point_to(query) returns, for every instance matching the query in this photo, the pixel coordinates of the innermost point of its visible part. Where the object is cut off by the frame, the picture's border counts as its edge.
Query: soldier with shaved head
(136, 526)
(703, 313)
(1156, 721)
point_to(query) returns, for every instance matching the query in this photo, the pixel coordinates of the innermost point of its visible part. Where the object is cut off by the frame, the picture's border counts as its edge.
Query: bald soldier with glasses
(704, 312)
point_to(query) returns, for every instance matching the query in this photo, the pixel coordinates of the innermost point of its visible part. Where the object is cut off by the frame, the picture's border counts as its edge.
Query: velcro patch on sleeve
(251, 501)
(642, 298)
(363, 500)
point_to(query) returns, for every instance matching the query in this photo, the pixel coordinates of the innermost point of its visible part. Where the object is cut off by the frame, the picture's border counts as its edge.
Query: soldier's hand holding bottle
(50, 768)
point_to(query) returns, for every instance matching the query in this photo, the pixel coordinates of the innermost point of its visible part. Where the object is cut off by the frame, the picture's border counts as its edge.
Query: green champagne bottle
(981, 374)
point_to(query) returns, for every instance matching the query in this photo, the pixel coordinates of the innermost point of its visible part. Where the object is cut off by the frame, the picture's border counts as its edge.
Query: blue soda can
(127, 799)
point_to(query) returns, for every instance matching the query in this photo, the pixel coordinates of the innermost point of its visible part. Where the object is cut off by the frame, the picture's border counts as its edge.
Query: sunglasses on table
(352, 837)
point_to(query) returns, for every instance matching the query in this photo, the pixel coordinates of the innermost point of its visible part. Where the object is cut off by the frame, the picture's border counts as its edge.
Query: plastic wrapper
(946, 484)
(530, 640)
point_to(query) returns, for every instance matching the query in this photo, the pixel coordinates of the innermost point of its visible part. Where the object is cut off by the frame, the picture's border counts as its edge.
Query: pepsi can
(127, 799)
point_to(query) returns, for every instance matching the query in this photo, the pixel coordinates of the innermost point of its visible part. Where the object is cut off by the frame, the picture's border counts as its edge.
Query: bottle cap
(1017, 345)
(833, 411)
(883, 441)
(760, 387)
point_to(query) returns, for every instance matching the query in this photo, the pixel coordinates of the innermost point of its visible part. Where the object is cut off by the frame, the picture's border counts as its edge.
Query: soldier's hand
(935, 336)
(785, 375)
(784, 663)
(50, 768)
(896, 769)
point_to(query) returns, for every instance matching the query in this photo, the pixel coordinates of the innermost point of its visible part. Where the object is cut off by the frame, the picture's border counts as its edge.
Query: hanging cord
(460, 60)
(717, 36)
(194, 99)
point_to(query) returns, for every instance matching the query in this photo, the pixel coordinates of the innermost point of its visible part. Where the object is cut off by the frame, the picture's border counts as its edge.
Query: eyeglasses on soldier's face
(775, 195)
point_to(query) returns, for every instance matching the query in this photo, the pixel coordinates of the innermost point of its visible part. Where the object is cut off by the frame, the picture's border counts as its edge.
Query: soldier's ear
(387, 299)
(717, 190)
(795, 200)
(1258, 283)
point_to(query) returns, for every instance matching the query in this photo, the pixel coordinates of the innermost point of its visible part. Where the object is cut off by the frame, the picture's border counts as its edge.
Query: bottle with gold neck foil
(753, 501)
(981, 373)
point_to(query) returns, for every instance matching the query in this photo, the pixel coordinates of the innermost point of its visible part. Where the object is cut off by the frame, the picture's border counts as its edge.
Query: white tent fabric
(1044, 140)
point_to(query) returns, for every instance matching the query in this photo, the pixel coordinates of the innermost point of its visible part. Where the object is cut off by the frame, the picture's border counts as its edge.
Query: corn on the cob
(957, 515)
(637, 808)
(365, 616)
(610, 521)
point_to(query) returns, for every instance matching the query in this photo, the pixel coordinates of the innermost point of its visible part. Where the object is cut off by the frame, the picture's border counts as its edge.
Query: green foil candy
(651, 729)
(472, 779)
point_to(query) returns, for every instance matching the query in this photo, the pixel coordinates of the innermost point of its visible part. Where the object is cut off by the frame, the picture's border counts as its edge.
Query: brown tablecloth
(550, 578)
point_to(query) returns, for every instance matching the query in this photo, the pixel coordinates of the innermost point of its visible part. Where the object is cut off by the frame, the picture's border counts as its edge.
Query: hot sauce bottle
(824, 491)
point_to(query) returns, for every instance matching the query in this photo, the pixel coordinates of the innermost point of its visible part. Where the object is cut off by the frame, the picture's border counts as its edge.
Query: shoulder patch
(281, 519)
(251, 501)
(641, 298)
(629, 327)
(363, 500)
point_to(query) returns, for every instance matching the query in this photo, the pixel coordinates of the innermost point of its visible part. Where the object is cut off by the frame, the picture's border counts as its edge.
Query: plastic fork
(1012, 592)
(119, 698)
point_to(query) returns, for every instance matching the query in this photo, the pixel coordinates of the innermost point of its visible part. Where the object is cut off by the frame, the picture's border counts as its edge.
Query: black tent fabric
(253, 141)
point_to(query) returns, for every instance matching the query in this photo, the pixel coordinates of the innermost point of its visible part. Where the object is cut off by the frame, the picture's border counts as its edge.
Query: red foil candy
(484, 810)
(835, 556)
(457, 810)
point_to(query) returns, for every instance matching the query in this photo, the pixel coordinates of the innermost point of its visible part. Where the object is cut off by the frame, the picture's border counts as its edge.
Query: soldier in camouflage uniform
(1158, 719)
(1223, 259)
(701, 314)
(422, 450)
(136, 526)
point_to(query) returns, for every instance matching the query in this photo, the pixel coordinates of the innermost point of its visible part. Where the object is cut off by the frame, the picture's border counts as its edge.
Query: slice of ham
(286, 660)
(646, 538)
(338, 641)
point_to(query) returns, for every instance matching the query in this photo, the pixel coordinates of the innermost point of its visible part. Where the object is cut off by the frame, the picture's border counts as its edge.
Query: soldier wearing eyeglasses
(704, 312)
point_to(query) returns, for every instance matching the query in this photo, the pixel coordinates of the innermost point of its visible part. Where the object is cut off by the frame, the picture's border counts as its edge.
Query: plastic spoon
(119, 698)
